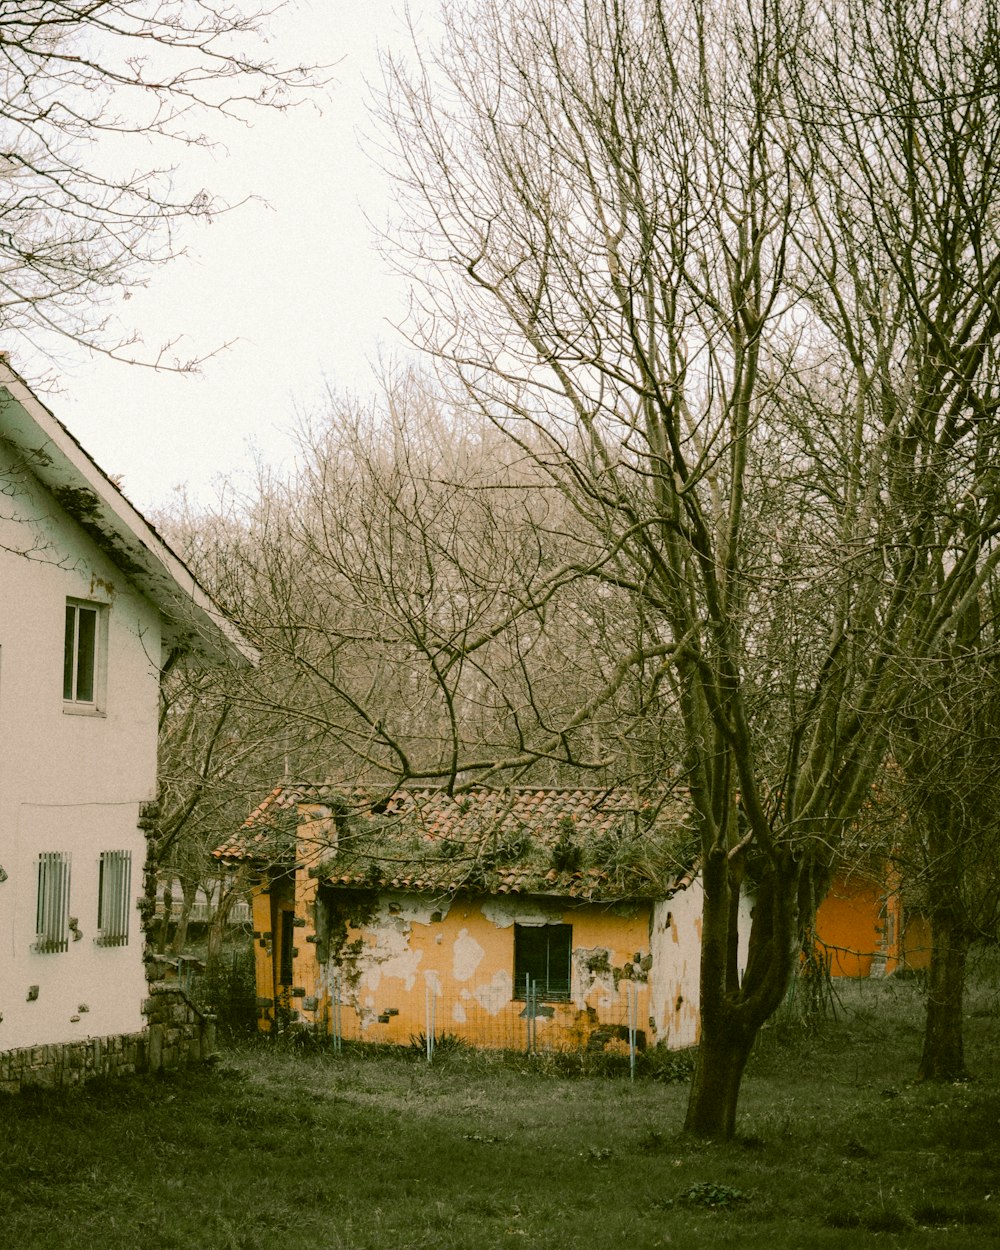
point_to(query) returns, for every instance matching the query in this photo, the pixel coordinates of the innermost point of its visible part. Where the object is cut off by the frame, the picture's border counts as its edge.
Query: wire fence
(434, 1017)
(427, 1018)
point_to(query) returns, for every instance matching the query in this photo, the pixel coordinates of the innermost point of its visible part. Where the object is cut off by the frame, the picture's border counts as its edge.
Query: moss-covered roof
(580, 843)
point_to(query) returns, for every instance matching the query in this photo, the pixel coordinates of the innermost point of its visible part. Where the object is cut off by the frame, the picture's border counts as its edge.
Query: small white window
(52, 908)
(83, 655)
(114, 892)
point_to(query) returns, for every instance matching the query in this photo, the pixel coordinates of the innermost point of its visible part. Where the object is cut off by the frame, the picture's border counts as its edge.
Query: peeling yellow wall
(392, 966)
(409, 964)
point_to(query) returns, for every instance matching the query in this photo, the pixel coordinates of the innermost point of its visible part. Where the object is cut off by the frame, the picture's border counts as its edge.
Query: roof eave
(191, 621)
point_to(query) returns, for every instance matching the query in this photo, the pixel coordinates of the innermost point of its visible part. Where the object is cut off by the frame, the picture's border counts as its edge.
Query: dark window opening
(287, 939)
(542, 954)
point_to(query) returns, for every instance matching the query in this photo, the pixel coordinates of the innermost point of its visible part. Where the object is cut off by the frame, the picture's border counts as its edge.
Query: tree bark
(949, 845)
(189, 893)
(217, 925)
(732, 1014)
(943, 1057)
(715, 1088)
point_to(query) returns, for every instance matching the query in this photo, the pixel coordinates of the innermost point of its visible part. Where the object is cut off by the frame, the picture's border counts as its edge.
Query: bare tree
(681, 255)
(903, 154)
(83, 85)
(221, 745)
(946, 743)
(418, 586)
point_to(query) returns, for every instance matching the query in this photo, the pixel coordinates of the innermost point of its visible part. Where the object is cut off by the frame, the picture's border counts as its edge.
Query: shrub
(228, 989)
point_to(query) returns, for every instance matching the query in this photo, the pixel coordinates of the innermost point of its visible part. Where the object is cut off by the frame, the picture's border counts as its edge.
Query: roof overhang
(191, 621)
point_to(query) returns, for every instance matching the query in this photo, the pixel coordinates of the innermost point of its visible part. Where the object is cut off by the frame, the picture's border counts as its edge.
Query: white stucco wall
(675, 944)
(68, 782)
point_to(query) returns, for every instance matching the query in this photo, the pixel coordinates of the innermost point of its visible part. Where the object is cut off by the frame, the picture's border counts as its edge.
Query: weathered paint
(860, 926)
(468, 954)
(394, 956)
(404, 951)
(676, 952)
(506, 912)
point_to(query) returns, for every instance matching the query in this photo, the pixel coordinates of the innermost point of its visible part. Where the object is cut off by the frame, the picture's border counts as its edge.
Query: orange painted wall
(859, 926)
(267, 903)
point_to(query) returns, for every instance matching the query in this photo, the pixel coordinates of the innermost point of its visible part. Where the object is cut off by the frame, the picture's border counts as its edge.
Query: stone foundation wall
(178, 1033)
(71, 1063)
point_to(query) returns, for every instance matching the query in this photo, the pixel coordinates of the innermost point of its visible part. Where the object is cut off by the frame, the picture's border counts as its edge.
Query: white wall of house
(675, 944)
(72, 777)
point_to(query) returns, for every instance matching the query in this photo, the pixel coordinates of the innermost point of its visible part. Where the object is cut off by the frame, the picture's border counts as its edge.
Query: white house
(92, 603)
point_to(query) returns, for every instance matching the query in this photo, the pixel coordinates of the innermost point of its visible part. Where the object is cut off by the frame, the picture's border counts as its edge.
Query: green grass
(282, 1149)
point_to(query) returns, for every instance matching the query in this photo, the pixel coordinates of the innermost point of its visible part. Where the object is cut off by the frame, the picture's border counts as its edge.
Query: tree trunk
(943, 1056)
(715, 1088)
(189, 893)
(731, 1015)
(168, 906)
(217, 925)
(727, 1033)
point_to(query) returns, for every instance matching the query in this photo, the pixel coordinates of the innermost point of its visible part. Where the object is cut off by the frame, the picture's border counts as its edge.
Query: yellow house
(560, 918)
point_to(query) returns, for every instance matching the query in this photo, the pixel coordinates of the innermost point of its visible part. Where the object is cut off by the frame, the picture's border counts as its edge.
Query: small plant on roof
(477, 877)
(511, 848)
(567, 855)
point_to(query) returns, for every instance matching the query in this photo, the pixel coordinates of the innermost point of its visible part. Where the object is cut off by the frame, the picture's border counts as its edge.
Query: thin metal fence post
(534, 1016)
(335, 1021)
(429, 1018)
(632, 1010)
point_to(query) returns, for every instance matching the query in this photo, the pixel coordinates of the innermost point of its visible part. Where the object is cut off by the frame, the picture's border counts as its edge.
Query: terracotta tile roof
(580, 843)
(268, 833)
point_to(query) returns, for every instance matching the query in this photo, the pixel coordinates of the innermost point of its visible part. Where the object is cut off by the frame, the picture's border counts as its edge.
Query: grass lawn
(282, 1149)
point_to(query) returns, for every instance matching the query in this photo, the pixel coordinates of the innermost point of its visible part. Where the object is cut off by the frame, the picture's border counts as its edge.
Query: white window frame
(114, 891)
(52, 902)
(86, 702)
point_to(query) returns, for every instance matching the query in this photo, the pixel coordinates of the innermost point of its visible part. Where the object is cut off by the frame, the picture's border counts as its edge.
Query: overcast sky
(295, 281)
